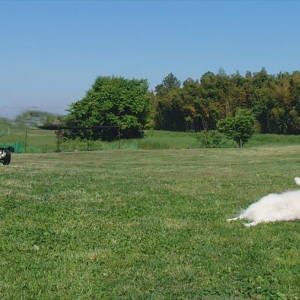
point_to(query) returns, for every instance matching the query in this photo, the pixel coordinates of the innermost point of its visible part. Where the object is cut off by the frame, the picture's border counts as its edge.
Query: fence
(37, 140)
(18, 146)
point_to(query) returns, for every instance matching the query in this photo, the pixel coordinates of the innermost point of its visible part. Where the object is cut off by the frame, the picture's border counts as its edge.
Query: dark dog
(5, 155)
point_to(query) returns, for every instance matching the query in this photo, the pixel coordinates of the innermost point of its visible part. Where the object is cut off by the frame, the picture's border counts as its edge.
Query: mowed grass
(135, 224)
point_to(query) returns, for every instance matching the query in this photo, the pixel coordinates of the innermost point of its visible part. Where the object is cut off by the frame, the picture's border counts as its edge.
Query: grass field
(146, 224)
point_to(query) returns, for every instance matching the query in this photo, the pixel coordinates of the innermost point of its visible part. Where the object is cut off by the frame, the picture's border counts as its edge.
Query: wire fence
(39, 140)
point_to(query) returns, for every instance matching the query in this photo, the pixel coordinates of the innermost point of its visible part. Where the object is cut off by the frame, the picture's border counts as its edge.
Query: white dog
(273, 207)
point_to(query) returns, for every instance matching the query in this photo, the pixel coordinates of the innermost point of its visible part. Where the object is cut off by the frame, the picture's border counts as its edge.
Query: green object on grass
(18, 146)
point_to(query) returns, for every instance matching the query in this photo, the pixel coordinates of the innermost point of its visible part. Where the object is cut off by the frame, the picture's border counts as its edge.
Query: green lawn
(139, 224)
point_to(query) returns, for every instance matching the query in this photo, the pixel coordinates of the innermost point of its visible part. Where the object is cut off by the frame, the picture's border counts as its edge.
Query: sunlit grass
(133, 224)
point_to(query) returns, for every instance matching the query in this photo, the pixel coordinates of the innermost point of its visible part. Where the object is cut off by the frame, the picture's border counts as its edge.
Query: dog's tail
(297, 180)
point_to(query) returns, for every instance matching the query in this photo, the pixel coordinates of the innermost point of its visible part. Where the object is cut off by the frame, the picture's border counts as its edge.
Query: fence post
(119, 137)
(25, 140)
(58, 138)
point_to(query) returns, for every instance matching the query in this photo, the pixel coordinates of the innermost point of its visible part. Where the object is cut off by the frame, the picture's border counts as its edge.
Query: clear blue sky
(52, 51)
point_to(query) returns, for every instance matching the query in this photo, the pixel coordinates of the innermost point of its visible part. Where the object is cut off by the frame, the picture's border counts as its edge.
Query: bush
(210, 139)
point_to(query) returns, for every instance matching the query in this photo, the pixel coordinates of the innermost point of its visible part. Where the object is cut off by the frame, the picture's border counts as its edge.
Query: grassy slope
(146, 225)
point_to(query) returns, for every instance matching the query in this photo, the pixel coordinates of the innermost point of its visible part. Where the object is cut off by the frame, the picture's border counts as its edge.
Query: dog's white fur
(273, 207)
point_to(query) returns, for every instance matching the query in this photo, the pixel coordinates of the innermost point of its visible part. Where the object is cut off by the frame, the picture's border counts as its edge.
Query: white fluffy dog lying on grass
(273, 207)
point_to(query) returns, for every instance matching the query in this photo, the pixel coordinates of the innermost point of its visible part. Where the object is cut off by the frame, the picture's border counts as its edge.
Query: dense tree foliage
(112, 101)
(193, 105)
(239, 128)
(199, 104)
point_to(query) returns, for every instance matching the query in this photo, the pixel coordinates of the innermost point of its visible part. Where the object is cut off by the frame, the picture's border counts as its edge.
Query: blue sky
(52, 51)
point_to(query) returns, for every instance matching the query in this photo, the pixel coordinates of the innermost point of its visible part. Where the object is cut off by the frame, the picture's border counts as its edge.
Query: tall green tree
(170, 114)
(112, 101)
(169, 83)
(190, 93)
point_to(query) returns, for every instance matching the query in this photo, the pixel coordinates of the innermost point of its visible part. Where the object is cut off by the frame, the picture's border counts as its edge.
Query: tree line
(274, 101)
(194, 105)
